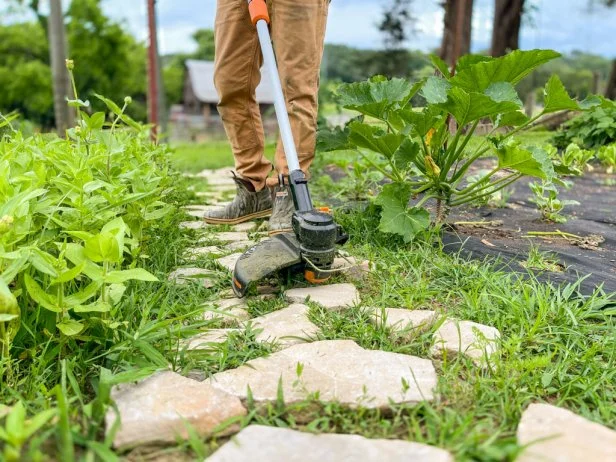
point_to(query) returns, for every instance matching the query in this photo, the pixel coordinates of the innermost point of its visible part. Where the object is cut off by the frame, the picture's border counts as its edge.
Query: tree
(610, 90)
(506, 29)
(108, 60)
(457, 30)
(395, 27)
(25, 75)
(58, 53)
(205, 44)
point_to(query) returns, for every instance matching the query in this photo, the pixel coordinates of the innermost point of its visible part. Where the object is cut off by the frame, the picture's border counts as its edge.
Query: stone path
(555, 434)
(258, 443)
(305, 367)
(338, 370)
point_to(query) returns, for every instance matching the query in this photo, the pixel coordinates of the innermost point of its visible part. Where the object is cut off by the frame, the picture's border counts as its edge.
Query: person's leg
(236, 76)
(298, 32)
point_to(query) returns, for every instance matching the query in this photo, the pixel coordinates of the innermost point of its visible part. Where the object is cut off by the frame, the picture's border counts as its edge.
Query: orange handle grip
(258, 11)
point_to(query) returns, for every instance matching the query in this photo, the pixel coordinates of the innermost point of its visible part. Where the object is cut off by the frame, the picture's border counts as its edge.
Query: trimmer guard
(264, 259)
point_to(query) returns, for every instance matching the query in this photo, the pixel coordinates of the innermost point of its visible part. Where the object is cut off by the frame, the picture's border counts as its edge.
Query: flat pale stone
(232, 236)
(288, 326)
(229, 311)
(403, 321)
(340, 370)
(218, 180)
(257, 443)
(187, 275)
(194, 207)
(229, 261)
(558, 435)
(207, 251)
(471, 339)
(197, 224)
(201, 213)
(208, 339)
(333, 296)
(154, 410)
(245, 227)
(209, 195)
(239, 245)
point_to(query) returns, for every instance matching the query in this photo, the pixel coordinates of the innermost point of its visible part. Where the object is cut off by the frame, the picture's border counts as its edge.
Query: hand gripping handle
(258, 11)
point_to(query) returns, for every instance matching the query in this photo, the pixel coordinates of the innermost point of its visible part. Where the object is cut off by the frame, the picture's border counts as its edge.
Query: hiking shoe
(282, 214)
(247, 205)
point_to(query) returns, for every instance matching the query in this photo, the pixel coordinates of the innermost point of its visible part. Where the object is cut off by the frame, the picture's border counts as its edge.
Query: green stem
(113, 124)
(522, 127)
(382, 170)
(424, 187)
(456, 152)
(74, 86)
(466, 199)
(497, 183)
(425, 199)
(456, 176)
(477, 184)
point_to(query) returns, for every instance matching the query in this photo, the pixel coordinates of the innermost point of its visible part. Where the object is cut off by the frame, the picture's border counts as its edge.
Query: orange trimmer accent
(258, 11)
(312, 278)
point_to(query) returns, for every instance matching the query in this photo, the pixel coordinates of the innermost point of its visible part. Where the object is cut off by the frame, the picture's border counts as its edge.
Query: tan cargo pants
(298, 31)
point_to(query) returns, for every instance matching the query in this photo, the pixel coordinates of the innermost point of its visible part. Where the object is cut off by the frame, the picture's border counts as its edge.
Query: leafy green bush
(593, 129)
(72, 219)
(607, 156)
(415, 149)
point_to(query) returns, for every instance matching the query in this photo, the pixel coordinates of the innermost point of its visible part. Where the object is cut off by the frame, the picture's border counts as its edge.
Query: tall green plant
(73, 214)
(423, 158)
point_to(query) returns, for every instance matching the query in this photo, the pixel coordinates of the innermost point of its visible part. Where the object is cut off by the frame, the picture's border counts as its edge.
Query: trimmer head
(311, 248)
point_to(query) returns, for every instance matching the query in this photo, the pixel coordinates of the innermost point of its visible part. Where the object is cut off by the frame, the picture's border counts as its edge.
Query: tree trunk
(457, 30)
(57, 52)
(154, 87)
(506, 30)
(610, 91)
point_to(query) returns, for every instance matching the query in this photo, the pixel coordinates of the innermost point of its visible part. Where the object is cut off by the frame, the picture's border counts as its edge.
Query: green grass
(192, 157)
(557, 346)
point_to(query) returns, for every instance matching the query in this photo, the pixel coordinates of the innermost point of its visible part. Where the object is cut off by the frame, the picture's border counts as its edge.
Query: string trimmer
(311, 246)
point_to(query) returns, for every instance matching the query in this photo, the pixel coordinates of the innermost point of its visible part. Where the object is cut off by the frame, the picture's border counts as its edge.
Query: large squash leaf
(377, 96)
(513, 67)
(435, 90)
(503, 91)
(335, 139)
(557, 98)
(375, 139)
(419, 123)
(396, 216)
(406, 154)
(468, 107)
(532, 161)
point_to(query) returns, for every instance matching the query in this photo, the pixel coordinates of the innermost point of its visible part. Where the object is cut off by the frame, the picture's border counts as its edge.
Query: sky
(563, 25)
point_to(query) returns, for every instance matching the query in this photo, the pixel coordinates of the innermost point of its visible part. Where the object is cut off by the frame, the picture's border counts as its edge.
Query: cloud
(564, 25)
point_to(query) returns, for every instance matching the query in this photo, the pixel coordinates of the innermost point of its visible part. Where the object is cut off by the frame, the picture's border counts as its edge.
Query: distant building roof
(201, 74)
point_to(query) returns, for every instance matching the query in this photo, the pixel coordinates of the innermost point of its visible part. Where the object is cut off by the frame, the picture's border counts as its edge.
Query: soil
(508, 240)
(505, 235)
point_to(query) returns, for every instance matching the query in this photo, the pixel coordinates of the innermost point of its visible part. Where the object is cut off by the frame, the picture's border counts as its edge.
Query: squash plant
(421, 151)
